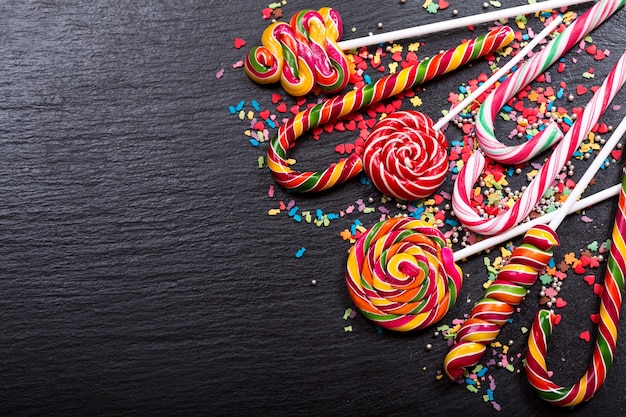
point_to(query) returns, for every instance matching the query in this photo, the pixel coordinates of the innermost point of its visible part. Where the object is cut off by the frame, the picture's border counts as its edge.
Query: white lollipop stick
(455, 23)
(500, 73)
(571, 205)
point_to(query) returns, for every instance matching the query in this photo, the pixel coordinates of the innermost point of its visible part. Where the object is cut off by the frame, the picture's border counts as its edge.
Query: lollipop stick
(455, 23)
(499, 74)
(571, 205)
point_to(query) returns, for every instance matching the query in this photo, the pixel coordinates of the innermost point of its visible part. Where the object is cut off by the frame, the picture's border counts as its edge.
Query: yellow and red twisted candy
(508, 290)
(302, 54)
(401, 274)
(405, 157)
(354, 100)
(606, 339)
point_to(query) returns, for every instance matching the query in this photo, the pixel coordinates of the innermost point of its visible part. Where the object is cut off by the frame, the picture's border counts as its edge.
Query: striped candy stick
(491, 312)
(604, 349)
(534, 66)
(354, 100)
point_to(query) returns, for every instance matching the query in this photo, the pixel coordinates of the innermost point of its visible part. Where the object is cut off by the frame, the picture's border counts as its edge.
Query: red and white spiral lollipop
(405, 157)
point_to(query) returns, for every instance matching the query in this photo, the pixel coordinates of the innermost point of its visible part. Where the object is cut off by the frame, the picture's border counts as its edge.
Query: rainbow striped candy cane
(610, 305)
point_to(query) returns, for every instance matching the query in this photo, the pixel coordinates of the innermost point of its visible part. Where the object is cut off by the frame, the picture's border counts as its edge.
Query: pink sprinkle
(586, 219)
(616, 107)
(238, 64)
(350, 209)
(496, 406)
(383, 209)
(270, 192)
(219, 73)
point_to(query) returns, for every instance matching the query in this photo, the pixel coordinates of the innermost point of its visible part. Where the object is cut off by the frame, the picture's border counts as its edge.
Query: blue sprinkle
(462, 89)
(353, 229)
(419, 211)
(560, 93)
(482, 372)
(455, 169)
(577, 154)
(254, 142)
(364, 180)
(255, 104)
(470, 381)
(550, 105)
(358, 222)
(271, 123)
(367, 79)
(510, 171)
(490, 394)
(603, 166)
(568, 121)
(319, 213)
(452, 223)
(332, 216)
(507, 109)
(525, 37)
(232, 109)
(297, 218)
(300, 252)
(456, 143)
(240, 105)
(293, 211)
(551, 263)
(509, 321)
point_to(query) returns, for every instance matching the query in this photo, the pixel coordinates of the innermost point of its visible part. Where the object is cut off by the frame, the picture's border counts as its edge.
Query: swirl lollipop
(307, 53)
(401, 274)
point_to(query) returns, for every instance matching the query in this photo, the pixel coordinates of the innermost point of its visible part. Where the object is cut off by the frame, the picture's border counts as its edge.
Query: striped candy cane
(610, 305)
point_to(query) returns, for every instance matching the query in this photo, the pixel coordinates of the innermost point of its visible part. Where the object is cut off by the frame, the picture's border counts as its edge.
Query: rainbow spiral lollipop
(401, 274)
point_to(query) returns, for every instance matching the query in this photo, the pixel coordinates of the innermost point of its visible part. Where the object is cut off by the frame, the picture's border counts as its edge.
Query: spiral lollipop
(401, 274)
(536, 65)
(307, 53)
(354, 100)
(606, 339)
(405, 157)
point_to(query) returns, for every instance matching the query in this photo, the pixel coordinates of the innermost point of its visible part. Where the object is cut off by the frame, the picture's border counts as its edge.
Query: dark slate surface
(140, 273)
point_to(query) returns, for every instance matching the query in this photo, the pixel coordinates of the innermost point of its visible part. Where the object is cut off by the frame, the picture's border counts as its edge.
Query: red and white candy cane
(471, 171)
(535, 65)
(610, 304)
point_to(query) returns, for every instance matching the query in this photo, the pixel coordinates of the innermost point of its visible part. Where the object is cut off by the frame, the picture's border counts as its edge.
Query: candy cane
(307, 52)
(463, 186)
(357, 99)
(536, 65)
(606, 339)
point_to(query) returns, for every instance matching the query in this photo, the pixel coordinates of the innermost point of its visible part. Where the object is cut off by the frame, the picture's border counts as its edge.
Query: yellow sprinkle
(393, 67)
(427, 3)
(505, 252)
(247, 132)
(413, 47)
(273, 212)
(395, 48)
(290, 161)
(250, 115)
(416, 101)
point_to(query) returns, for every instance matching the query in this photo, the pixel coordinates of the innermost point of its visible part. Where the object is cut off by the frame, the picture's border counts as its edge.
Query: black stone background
(139, 271)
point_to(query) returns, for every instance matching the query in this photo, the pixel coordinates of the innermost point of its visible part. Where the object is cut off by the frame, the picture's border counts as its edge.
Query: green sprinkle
(346, 314)
(471, 388)
(545, 279)
(593, 246)
(347, 329)
(261, 162)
